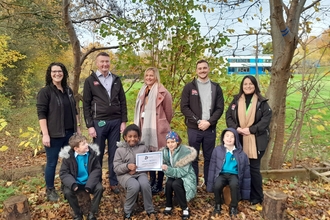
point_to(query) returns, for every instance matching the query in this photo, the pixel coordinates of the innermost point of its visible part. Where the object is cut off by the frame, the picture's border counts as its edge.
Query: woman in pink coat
(153, 114)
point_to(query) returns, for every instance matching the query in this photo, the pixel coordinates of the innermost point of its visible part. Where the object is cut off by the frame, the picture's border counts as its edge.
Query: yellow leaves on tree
(7, 57)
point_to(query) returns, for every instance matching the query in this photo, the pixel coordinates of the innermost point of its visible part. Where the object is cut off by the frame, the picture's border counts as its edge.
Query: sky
(223, 18)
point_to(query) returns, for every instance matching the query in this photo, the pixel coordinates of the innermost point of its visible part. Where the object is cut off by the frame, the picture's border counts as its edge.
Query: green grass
(315, 132)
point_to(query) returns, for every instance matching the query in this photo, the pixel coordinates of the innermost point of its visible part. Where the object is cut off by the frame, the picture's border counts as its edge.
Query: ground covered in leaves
(306, 200)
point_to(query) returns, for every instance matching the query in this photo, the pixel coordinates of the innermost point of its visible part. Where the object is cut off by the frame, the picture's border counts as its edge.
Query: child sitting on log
(229, 165)
(81, 170)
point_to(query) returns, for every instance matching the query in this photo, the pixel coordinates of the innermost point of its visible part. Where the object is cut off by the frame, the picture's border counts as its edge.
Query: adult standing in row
(105, 111)
(202, 104)
(250, 114)
(153, 114)
(58, 120)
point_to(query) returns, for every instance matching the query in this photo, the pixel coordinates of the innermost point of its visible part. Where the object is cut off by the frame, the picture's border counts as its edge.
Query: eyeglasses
(57, 71)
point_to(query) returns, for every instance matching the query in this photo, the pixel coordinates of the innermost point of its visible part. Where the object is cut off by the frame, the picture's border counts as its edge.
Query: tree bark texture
(17, 208)
(274, 205)
(283, 51)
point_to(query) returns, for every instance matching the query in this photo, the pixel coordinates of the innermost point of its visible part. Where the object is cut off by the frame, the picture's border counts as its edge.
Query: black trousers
(176, 186)
(222, 181)
(156, 180)
(256, 178)
(73, 201)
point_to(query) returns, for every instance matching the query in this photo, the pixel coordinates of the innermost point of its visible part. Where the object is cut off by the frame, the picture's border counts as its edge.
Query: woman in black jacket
(58, 120)
(250, 114)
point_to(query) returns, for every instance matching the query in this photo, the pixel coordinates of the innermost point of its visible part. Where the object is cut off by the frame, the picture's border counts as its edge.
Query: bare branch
(96, 19)
(311, 5)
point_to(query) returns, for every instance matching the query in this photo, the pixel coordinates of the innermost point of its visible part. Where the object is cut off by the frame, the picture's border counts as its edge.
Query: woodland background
(167, 34)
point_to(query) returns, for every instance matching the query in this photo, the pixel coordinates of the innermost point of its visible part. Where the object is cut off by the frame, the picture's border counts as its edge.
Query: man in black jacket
(202, 104)
(105, 111)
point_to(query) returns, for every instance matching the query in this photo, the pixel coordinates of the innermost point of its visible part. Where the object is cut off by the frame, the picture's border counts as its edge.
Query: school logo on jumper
(194, 92)
(233, 106)
(96, 83)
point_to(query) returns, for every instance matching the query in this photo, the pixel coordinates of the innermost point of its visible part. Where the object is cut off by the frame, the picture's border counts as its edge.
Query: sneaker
(52, 195)
(167, 211)
(233, 211)
(217, 209)
(185, 214)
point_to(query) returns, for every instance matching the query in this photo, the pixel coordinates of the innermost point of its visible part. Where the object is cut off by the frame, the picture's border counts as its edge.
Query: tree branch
(311, 5)
(93, 49)
(93, 19)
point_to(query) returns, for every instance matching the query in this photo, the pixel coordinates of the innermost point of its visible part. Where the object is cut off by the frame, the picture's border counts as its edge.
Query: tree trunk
(274, 205)
(17, 208)
(75, 43)
(283, 49)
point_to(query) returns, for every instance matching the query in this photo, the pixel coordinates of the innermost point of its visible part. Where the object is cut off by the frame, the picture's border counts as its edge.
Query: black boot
(156, 189)
(233, 211)
(217, 209)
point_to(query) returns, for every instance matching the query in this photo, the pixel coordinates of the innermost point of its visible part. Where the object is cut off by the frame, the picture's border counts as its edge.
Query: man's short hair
(76, 139)
(102, 54)
(202, 61)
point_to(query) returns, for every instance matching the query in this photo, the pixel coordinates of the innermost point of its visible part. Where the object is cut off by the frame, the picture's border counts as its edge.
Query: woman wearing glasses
(58, 120)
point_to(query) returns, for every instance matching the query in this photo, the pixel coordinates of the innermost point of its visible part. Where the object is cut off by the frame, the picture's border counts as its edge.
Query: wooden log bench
(84, 200)
(274, 205)
(17, 208)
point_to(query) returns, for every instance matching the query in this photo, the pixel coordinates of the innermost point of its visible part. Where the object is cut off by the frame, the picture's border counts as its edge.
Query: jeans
(56, 144)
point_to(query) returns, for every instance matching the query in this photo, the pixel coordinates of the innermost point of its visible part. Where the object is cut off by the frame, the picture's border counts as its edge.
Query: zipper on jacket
(95, 110)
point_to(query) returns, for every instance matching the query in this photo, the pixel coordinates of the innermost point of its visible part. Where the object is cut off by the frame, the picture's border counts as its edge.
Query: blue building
(248, 64)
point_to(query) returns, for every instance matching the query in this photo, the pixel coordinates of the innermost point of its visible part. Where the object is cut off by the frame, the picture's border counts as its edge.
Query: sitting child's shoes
(185, 214)
(167, 211)
(78, 217)
(233, 211)
(217, 209)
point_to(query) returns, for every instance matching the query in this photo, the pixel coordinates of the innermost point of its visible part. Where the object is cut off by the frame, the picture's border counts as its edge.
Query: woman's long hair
(64, 81)
(256, 86)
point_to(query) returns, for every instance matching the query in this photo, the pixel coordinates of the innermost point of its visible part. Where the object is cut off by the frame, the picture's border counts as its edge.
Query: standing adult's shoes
(52, 194)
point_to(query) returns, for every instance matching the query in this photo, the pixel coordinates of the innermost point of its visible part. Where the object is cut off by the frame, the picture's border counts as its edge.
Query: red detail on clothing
(96, 83)
(194, 92)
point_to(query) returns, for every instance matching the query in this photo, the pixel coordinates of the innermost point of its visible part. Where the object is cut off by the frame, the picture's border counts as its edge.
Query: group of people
(235, 162)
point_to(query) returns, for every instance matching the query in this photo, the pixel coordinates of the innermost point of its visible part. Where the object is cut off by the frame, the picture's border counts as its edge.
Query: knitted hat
(172, 135)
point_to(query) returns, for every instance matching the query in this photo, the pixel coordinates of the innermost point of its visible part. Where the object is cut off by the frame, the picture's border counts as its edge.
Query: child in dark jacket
(229, 165)
(81, 170)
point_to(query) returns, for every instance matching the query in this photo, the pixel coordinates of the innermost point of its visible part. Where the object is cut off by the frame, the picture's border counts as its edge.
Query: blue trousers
(110, 132)
(56, 144)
